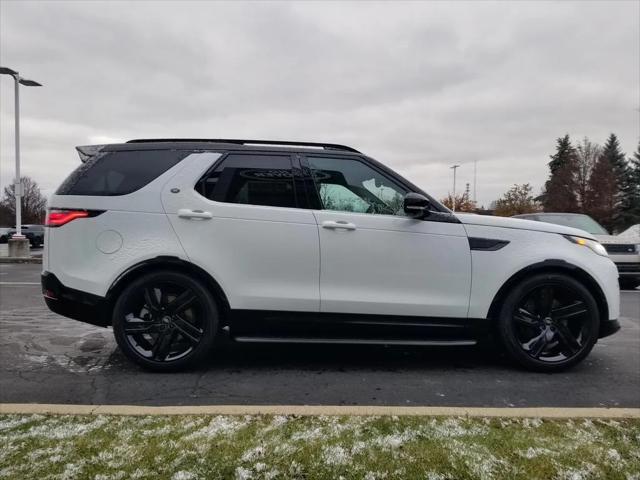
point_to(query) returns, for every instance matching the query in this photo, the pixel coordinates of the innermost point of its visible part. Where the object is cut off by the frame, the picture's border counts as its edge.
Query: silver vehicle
(624, 250)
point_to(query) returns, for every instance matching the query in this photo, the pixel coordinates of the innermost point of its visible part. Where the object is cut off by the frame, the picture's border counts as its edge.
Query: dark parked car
(35, 234)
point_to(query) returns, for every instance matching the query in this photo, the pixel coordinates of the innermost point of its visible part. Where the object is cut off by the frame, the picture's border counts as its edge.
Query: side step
(357, 341)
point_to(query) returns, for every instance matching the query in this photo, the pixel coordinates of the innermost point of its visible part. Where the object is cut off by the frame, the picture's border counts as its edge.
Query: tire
(165, 321)
(563, 329)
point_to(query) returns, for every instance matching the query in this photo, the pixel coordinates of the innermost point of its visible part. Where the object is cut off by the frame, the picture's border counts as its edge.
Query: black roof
(227, 143)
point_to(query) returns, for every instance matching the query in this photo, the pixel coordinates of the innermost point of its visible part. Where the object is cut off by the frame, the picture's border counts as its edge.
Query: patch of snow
(307, 434)
(435, 476)
(358, 447)
(335, 455)
(277, 422)
(532, 422)
(253, 454)
(71, 471)
(395, 440)
(578, 474)
(183, 475)
(375, 475)
(12, 422)
(243, 474)
(534, 452)
(614, 456)
(219, 425)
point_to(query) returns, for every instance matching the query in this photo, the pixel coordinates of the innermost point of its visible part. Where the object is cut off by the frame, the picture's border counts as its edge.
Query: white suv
(169, 241)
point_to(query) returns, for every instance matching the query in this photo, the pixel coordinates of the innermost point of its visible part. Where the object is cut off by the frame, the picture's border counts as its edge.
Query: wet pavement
(50, 359)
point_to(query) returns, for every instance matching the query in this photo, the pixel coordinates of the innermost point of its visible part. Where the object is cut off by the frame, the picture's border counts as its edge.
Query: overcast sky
(418, 86)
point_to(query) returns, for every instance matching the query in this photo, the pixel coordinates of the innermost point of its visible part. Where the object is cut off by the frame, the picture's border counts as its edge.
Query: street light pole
(455, 168)
(17, 186)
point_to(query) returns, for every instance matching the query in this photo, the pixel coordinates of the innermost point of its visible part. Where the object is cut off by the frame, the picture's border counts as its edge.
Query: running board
(358, 341)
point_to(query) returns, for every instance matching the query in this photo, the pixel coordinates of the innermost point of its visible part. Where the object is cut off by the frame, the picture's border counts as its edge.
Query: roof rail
(325, 146)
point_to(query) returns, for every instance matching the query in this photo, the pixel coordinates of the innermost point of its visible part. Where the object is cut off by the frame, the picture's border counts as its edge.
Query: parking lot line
(9, 284)
(542, 412)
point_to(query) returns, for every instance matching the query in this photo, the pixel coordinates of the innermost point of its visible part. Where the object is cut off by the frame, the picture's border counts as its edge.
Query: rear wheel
(549, 322)
(165, 321)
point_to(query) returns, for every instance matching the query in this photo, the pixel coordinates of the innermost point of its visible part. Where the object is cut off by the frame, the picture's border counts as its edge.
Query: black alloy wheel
(165, 321)
(549, 322)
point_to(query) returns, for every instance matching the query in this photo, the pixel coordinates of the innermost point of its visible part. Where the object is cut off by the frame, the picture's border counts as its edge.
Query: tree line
(599, 181)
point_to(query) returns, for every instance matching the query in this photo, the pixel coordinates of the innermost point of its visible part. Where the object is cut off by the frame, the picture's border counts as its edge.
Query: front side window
(251, 180)
(351, 186)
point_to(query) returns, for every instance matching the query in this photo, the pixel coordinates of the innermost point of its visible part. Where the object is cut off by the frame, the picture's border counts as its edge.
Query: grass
(274, 447)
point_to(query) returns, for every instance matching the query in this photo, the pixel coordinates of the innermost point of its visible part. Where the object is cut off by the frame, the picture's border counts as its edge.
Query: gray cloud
(417, 85)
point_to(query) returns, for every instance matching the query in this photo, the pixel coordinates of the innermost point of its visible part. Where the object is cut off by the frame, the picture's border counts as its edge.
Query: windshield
(583, 222)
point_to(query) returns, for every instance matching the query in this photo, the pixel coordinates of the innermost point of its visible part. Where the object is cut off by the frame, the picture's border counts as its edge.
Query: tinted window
(251, 180)
(352, 186)
(119, 173)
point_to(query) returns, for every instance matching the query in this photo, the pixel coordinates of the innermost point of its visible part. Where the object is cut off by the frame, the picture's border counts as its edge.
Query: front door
(376, 260)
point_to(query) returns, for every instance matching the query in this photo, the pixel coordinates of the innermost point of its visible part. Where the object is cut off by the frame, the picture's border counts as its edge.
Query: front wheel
(165, 321)
(549, 322)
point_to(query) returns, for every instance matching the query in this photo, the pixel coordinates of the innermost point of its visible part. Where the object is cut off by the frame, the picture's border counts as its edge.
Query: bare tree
(33, 203)
(586, 155)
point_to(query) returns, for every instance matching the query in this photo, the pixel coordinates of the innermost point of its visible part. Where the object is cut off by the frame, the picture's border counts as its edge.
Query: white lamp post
(455, 168)
(21, 246)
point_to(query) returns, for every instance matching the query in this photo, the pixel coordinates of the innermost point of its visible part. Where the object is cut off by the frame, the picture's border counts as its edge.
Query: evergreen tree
(623, 194)
(561, 190)
(630, 205)
(600, 201)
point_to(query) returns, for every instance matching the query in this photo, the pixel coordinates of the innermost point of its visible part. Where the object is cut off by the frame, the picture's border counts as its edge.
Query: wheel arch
(552, 266)
(174, 264)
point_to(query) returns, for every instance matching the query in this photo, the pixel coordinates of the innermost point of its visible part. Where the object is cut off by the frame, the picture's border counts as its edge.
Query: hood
(617, 239)
(520, 224)
(631, 232)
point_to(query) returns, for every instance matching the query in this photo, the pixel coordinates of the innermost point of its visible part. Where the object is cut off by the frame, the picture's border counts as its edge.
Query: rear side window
(251, 180)
(119, 173)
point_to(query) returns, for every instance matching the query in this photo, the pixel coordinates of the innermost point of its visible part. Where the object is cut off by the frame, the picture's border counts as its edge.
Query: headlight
(585, 242)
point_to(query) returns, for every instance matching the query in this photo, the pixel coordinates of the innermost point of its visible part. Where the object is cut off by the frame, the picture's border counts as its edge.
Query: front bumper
(628, 269)
(608, 328)
(74, 304)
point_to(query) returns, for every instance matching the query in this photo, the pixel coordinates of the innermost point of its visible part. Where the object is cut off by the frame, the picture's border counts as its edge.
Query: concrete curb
(20, 259)
(542, 412)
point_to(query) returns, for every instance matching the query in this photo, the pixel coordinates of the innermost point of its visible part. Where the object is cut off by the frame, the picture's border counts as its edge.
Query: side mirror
(416, 205)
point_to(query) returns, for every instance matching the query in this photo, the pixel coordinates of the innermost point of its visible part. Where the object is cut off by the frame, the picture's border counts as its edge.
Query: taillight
(57, 218)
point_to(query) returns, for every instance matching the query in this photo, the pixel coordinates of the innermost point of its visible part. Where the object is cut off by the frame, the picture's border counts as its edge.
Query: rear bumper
(75, 304)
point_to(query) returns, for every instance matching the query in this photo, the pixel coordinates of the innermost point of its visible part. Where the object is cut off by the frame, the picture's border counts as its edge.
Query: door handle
(186, 213)
(339, 224)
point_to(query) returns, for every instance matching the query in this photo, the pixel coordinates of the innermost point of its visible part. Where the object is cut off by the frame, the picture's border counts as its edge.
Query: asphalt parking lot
(50, 359)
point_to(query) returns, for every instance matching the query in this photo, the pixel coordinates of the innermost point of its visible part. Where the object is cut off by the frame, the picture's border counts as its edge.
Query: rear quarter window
(119, 173)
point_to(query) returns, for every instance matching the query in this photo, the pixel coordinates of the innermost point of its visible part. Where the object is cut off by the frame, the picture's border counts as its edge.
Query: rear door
(374, 259)
(240, 221)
